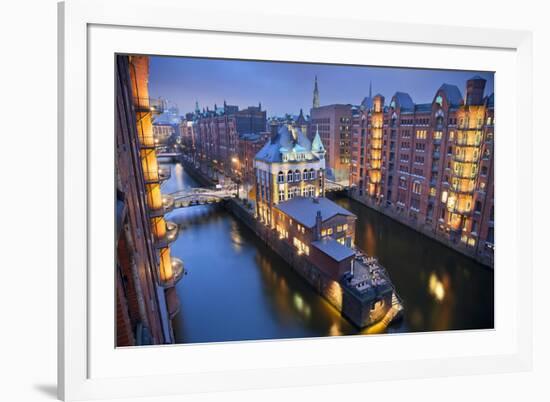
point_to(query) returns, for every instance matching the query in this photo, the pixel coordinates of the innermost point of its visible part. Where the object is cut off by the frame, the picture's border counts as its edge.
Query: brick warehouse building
(146, 272)
(430, 166)
(217, 134)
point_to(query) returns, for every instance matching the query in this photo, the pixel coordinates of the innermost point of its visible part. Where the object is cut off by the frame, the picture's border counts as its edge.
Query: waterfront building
(187, 134)
(314, 234)
(430, 165)
(146, 272)
(289, 165)
(248, 146)
(333, 122)
(217, 134)
(163, 131)
(319, 229)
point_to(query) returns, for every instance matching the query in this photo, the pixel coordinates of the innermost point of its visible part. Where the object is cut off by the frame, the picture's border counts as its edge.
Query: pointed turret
(317, 147)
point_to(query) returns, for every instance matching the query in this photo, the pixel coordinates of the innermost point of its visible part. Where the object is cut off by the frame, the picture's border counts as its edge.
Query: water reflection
(441, 288)
(238, 289)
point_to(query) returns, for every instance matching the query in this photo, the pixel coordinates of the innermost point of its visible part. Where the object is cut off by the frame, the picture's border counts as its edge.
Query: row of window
(308, 191)
(296, 175)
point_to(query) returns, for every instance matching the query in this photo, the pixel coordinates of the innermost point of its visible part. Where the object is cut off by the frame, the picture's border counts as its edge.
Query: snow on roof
(304, 209)
(333, 249)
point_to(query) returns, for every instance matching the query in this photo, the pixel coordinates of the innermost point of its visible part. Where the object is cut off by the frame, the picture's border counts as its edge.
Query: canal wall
(426, 230)
(350, 304)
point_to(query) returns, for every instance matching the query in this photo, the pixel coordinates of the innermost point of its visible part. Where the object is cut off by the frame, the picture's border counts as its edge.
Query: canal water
(238, 289)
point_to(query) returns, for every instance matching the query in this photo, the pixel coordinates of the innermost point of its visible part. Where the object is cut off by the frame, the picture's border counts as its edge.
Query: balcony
(178, 271)
(464, 158)
(148, 142)
(461, 175)
(167, 206)
(460, 211)
(170, 235)
(462, 190)
(467, 142)
(157, 176)
(149, 105)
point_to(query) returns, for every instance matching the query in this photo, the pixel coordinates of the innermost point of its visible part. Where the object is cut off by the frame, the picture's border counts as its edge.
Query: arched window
(305, 175)
(281, 177)
(289, 176)
(311, 174)
(297, 175)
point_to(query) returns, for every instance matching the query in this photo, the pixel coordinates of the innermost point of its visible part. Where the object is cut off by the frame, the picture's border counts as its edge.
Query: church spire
(316, 94)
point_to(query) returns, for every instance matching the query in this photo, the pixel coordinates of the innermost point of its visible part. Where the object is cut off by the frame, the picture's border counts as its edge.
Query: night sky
(287, 87)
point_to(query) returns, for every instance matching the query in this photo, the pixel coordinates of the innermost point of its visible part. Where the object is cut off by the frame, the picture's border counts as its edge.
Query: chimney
(318, 223)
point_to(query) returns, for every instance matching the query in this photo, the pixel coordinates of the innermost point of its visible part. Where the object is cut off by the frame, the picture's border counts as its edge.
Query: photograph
(274, 199)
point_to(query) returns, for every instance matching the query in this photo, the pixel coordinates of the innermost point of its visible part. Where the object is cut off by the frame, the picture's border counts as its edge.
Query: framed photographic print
(251, 204)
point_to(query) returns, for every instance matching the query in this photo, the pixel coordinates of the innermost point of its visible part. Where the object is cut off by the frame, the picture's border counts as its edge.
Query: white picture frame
(88, 367)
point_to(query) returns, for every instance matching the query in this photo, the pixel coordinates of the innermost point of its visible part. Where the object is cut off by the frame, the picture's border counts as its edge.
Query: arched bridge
(200, 196)
(331, 185)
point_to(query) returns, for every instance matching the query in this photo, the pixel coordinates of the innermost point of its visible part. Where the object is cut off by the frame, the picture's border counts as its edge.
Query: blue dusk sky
(286, 87)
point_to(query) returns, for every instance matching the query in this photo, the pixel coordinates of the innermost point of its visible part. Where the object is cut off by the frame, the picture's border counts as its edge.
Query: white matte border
(233, 363)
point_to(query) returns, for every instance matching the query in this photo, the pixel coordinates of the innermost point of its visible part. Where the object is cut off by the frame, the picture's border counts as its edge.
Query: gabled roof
(304, 209)
(404, 100)
(452, 93)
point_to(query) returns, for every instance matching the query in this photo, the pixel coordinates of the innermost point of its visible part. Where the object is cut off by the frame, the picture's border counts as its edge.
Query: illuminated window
(421, 134)
(451, 135)
(346, 226)
(417, 188)
(329, 231)
(444, 197)
(433, 191)
(323, 232)
(438, 135)
(339, 228)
